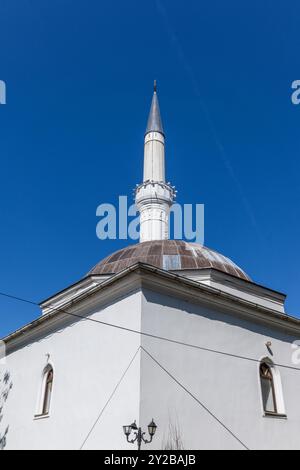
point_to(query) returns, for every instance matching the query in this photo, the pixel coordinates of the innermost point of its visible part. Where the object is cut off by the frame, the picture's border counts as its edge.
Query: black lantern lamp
(152, 428)
(139, 434)
(127, 429)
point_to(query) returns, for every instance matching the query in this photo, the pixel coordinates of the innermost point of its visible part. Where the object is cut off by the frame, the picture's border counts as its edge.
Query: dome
(171, 255)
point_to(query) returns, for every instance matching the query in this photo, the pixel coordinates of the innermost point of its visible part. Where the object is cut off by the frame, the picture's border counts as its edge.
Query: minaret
(154, 197)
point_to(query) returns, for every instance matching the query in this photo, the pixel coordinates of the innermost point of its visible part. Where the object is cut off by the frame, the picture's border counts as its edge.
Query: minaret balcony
(155, 192)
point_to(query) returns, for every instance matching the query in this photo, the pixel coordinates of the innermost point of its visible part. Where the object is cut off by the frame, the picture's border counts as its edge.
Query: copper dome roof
(170, 255)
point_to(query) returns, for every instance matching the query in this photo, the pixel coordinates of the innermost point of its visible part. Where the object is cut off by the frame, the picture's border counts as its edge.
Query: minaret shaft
(154, 157)
(154, 197)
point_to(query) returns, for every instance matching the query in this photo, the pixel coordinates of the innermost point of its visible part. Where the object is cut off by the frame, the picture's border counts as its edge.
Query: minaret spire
(154, 123)
(154, 197)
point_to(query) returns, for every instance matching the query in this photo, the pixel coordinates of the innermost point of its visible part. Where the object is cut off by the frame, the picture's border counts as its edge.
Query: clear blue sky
(79, 82)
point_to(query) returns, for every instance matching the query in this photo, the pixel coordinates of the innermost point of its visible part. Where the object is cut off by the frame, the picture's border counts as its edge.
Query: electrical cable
(149, 335)
(195, 398)
(109, 399)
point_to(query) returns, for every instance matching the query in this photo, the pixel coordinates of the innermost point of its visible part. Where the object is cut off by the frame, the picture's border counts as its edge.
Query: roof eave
(141, 268)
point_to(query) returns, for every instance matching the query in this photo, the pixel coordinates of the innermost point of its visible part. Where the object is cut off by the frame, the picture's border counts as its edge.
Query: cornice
(142, 276)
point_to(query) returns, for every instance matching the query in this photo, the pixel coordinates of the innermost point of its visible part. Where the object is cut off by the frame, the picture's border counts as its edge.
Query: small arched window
(268, 389)
(47, 391)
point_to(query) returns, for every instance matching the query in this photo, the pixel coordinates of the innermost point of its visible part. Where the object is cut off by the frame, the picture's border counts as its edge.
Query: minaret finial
(155, 86)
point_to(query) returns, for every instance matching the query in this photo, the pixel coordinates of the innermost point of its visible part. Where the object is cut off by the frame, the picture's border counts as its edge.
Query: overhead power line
(149, 335)
(195, 398)
(176, 381)
(109, 399)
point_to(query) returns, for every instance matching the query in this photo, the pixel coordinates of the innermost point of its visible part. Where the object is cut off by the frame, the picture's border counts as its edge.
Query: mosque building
(164, 337)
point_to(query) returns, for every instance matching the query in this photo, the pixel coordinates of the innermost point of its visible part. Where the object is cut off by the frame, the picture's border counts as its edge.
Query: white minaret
(154, 197)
